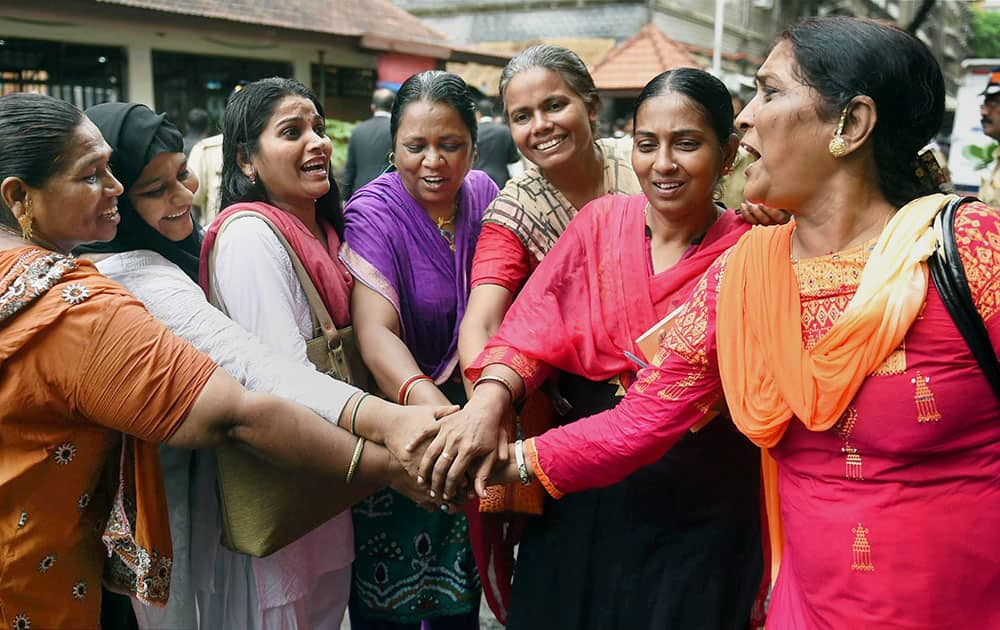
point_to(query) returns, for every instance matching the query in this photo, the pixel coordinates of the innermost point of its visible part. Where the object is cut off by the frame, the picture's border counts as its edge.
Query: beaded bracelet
(354, 414)
(522, 468)
(355, 459)
(496, 379)
(403, 394)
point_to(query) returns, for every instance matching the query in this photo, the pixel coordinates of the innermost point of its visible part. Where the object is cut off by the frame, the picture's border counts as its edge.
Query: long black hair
(247, 114)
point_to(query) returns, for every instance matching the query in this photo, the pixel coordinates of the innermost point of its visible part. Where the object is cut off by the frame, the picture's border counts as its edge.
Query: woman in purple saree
(409, 240)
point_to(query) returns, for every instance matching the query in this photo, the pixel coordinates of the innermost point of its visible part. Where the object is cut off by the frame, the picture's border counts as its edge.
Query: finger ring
(446, 455)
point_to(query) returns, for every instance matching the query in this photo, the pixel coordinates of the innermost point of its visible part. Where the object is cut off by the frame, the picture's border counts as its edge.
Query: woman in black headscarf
(149, 161)
(155, 256)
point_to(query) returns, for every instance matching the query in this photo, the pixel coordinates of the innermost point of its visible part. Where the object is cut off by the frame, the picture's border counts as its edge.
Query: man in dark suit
(369, 145)
(496, 146)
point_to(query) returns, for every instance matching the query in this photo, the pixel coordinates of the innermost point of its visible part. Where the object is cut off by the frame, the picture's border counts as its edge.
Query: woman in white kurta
(214, 587)
(276, 160)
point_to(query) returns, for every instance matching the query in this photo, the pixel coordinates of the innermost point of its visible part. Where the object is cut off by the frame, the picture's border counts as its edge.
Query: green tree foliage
(981, 155)
(985, 41)
(339, 132)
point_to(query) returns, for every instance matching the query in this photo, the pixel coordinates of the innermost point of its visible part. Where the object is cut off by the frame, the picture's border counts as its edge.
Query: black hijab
(137, 135)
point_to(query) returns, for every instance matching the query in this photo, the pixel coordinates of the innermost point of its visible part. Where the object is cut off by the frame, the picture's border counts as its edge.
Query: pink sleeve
(666, 399)
(532, 371)
(977, 232)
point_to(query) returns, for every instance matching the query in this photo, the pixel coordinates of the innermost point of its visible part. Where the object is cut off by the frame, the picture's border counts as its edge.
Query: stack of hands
(448, 455)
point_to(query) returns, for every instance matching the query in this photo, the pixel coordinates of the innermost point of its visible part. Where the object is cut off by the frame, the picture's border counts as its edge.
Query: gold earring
(838, 146)
(391, 158)
(24, 220)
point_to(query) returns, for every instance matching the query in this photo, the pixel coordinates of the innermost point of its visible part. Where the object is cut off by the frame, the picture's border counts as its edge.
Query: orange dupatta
(769, 377)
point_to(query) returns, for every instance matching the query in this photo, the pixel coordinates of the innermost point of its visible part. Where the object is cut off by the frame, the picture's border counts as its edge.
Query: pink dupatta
(332, 280)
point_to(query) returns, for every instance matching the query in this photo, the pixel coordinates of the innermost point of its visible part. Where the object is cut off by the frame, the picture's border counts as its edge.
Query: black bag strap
(948, 274)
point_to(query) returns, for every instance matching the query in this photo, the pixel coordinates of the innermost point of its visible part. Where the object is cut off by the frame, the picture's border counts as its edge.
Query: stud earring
(24, 220)
(253, 179)
(838, 146)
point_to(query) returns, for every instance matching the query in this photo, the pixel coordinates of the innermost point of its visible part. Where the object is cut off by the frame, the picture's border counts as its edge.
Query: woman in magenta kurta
(622, 556)
(885, 434)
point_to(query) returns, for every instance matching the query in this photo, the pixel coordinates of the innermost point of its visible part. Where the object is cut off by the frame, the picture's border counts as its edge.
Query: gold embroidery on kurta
(927, 410)
(524, 366)
(852, 459)
(674, 391)
(826, 286)
(861, 550)
(895, 363)
(494, 354)
(646, 378)
(978, 239)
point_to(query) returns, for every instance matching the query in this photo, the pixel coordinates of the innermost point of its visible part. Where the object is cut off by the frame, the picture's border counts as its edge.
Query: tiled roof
(631, 64)
(336, 17)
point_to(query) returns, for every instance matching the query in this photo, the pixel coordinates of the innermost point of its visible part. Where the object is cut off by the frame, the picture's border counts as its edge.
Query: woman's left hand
(414, 425)
(759, 214)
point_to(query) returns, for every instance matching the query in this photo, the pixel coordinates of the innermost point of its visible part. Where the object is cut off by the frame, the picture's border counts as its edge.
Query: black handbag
(948, 274)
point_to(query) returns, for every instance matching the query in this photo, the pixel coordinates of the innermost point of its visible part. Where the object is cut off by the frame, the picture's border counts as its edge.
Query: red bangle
(407, 385)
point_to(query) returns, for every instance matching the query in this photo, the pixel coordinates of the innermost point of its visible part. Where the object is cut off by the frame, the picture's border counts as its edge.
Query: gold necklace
(441, 222)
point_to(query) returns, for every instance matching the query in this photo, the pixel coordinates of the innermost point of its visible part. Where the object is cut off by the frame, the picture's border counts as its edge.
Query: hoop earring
(24, 220)
(390, 157)
(838, 146)
(719, 192)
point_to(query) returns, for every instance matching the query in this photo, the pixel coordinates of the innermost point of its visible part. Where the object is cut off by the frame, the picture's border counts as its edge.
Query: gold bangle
(404, 390)
(355, 459)
(496, 379)
(409, 390)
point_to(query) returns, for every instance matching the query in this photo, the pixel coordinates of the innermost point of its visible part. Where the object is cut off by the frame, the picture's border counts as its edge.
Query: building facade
(750, 25)
(175, 56)
(748, 33)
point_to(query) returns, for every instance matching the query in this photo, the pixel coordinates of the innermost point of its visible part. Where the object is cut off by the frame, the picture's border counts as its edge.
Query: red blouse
(501, 259)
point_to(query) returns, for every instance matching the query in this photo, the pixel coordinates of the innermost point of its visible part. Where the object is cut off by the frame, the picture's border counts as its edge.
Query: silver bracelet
(522, 469)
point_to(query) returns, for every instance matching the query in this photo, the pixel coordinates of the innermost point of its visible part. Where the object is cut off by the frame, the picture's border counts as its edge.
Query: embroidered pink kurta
(892, 518)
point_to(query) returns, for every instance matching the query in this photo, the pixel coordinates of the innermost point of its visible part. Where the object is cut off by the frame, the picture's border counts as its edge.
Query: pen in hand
(634, 359)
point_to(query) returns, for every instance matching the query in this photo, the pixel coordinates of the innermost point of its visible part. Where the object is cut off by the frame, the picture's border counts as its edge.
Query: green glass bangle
(354, 414)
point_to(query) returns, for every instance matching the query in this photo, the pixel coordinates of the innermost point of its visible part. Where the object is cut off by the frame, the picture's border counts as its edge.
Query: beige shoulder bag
(264, 507)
